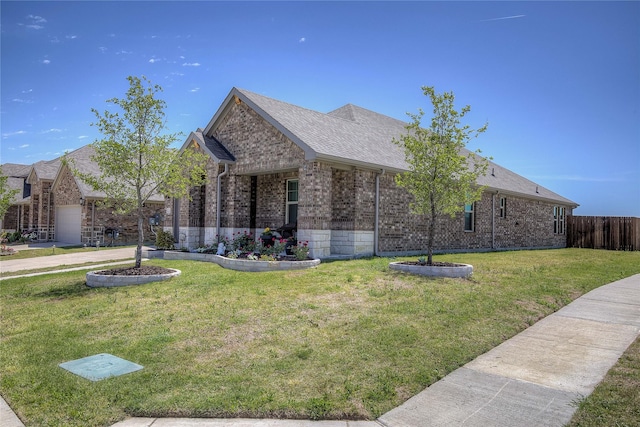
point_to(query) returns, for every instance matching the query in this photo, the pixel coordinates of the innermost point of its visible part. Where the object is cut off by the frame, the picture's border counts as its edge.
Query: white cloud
(46, 62)
(503, 17)
(191, 64)
(102, 49)
(24, 146)
(27, 91)
(83, 137)
(124, 52)
(9, 134)
(35, 22)
(154, 60)
(22, 101)
(195, 89)
(37, 19)
(52, 130)
(302, 40)
(71, 37)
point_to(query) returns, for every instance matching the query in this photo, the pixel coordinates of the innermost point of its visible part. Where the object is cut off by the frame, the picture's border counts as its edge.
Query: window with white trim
(503, 207)
(469, 217)
(558, 220)
(292, 201)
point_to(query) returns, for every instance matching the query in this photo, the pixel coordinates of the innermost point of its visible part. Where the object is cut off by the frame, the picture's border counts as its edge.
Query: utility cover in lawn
(100, 366)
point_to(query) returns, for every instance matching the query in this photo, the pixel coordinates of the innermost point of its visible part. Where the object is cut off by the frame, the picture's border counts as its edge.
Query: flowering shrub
(243, 242)
(4, 249)
(276, 249)
(301, 251)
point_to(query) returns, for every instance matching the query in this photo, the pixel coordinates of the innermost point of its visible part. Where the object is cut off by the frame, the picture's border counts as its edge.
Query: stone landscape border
(457, 271)
(237, 264)
(95, 280)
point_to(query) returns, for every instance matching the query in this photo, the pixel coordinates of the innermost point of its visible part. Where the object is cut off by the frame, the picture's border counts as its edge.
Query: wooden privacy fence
(603, 232)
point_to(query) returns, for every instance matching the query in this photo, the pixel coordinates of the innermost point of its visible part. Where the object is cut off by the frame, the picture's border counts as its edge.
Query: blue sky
(558, 82)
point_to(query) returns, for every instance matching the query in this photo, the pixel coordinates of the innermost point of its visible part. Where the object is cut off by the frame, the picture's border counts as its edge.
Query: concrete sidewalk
(8, 265)
(534, 378)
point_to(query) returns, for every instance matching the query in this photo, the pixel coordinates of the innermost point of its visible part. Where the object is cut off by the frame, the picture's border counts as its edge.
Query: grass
(616, 400)
(349, 339)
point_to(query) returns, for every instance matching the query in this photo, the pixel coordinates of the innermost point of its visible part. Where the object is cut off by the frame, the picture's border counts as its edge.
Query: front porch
(332, 209)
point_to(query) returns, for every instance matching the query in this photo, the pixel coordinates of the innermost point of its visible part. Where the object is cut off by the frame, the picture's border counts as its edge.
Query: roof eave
(565, 202)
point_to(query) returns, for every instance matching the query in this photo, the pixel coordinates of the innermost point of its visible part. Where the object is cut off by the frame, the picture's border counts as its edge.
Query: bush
(244, 242)
(164, 240)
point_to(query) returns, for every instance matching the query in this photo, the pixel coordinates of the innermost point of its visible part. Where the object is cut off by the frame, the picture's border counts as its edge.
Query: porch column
(314, 207)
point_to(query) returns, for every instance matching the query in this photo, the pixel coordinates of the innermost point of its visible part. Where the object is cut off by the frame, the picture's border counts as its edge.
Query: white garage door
(68, 224)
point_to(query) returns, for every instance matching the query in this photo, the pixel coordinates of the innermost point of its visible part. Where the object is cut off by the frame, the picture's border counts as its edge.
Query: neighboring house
(63, 208)
(17, 216)
(332, 175)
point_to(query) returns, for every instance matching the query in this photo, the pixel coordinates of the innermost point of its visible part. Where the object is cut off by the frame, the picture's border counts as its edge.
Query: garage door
(68, 224)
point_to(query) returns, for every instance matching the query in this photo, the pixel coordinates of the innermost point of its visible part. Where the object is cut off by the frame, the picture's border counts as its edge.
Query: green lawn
(616, 400)
(349, 339)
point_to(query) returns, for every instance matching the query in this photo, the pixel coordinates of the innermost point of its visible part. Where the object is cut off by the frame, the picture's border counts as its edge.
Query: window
(558, 220)
(292, 201)
(503, 207)
(469, 217)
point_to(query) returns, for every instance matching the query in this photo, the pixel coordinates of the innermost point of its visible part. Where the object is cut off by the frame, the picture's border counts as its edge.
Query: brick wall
(529, 223)
(10, 219)
(257, 146)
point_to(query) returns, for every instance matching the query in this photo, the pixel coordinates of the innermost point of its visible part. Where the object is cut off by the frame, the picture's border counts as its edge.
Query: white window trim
(472, 211)
(559, 220)
(288, 202)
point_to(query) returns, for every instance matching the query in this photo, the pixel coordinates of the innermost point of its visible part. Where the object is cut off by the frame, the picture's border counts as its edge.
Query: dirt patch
(434, 264)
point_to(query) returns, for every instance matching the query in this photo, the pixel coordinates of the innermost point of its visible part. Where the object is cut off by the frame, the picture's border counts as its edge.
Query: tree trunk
(432, 230)
(140, 237)
(431, 238)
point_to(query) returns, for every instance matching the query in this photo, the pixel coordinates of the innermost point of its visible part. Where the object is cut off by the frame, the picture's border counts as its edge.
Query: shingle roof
(215, 148)
(82, 161)
(356, 136)
(45, 170)
(16, 174)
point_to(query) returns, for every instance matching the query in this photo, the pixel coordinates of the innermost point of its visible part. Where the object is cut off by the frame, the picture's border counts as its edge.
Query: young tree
(6, 195)
(135, 157)
(442, 173)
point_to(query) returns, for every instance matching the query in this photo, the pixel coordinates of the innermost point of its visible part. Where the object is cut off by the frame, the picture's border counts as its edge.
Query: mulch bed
(145, 270)
(435, 264)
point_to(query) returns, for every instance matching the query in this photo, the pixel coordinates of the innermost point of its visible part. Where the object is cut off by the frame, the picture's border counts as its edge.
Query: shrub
(301, 251)
(243, 242)
(276, 249)
(164, 240)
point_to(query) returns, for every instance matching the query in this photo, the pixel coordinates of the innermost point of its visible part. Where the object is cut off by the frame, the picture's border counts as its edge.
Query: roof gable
(211, 146)
(84, 163)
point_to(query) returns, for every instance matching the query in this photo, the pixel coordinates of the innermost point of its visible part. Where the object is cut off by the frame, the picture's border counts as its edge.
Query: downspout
(48, 213)
(93, 222)
(493, 219)
(219, 198)
(376, 230)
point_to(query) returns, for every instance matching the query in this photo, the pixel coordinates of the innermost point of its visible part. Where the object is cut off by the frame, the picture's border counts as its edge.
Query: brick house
(61, 207)
(17, 216)
(272, 163)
